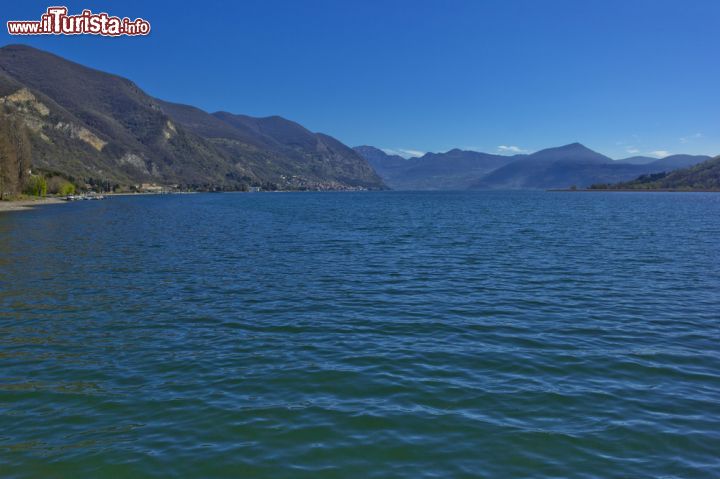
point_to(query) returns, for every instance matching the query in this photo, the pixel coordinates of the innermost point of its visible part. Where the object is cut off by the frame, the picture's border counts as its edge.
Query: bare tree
(15, 156)
(21, 143)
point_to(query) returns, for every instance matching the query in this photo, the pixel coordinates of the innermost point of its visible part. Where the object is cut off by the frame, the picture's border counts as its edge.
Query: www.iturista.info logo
(56, 21)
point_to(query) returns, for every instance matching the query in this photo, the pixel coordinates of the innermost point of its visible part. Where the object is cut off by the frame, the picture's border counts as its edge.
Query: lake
(362, 335)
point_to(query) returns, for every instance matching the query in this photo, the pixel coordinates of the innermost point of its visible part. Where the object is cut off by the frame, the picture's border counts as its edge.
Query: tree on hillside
(8, 162)
(21, 142)
(15, 155)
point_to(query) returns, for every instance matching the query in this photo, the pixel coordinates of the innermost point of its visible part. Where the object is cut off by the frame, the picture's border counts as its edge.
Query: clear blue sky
(623, 77)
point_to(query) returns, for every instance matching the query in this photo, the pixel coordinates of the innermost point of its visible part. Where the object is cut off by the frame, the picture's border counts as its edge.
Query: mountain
(381, 161)
(637, 160)
(88, 124)
(274, 147)
(553, 167)
(704, 176)
(389, 167)
(574, 153)
(674, 162)
(453, 170)
(572, 165)
(559, 167)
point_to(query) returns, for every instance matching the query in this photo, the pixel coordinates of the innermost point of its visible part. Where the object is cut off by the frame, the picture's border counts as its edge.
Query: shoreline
(25, 205)
(7, 206)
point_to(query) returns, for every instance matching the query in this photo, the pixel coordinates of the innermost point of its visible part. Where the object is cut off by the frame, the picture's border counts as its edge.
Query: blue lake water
(362, 335)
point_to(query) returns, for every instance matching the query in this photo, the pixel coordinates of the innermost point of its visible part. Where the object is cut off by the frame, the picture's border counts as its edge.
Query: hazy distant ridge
(559, 167)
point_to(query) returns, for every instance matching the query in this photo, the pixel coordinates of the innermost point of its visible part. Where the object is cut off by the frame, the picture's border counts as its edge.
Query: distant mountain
(453, 170)
(674, 162)
(637, 160)
(559, 167)
(376, 156)
(574, 153)
(93, 125)
(389, 167)
(572, 165)
(553, 167)
(704, 176)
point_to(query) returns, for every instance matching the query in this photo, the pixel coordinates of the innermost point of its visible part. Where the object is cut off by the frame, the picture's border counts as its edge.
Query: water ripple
(504, 334)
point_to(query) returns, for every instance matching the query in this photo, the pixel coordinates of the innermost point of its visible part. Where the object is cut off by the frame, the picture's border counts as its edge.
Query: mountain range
(91, 125)
(453, 170)
(560, 167)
